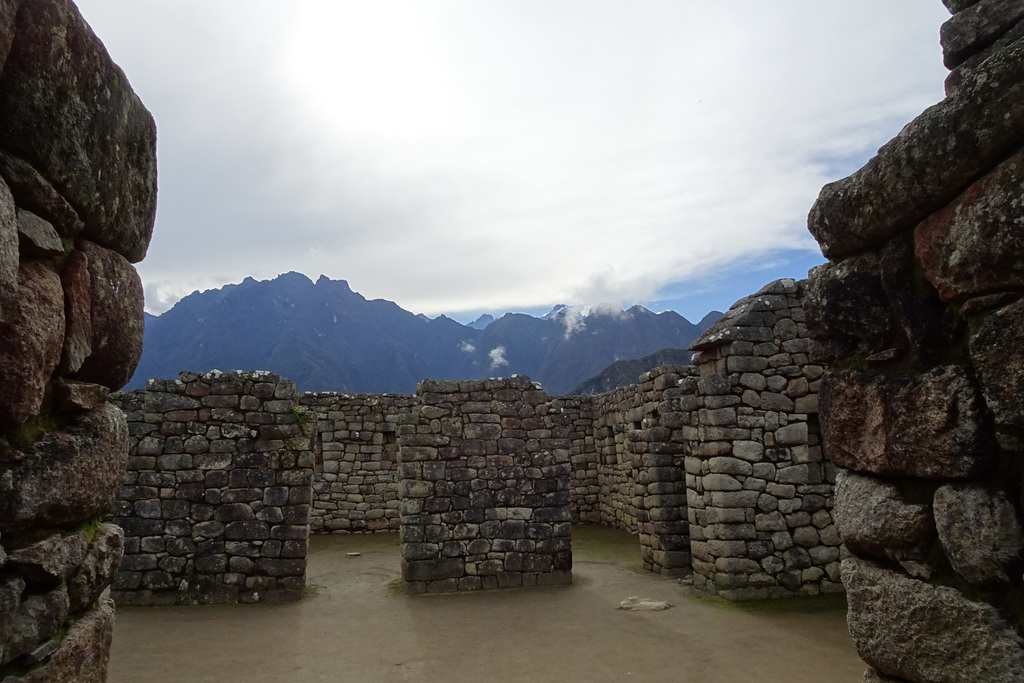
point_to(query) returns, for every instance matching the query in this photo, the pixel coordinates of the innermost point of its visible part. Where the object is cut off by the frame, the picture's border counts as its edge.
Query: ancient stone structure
(484, 483)
(715, 466)
(356, 487)
(77, 205)
(215, 505)
(920, 318)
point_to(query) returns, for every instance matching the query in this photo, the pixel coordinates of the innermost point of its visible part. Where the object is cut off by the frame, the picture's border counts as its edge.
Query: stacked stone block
(919, 314)
(215, 505)
(356, 488)
(485, 472)
(760, 496)
(77, 205)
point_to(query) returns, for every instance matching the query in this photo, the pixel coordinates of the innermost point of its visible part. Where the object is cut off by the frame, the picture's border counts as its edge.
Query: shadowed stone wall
(920, 317)
(77, 204)
(215, 506)
(484, 487)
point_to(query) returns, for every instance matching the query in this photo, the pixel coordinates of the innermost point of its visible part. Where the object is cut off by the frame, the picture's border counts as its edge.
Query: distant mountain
(482, 322)
(326, 337)
(625, 372)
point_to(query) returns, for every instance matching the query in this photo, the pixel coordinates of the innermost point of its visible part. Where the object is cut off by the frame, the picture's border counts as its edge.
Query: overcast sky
(492, 155)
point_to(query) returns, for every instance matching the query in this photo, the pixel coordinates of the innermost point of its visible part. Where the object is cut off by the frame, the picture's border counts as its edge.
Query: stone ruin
(717, 468)
(77, 206)
(920, 318)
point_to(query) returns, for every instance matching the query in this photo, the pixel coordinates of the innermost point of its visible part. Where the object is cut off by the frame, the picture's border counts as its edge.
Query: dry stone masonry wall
(215, 506)
(77, 205)
(920, 316)
(484, 482)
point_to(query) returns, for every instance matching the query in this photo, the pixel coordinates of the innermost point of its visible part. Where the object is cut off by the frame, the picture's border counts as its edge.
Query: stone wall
(485, 471)
(356, 484)
(77, 205)
(215, 505)
(760, 495)
(920, 317)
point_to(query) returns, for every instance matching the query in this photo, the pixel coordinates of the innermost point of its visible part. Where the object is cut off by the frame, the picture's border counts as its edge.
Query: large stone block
(997, 350)
(9, 256)
(83, 654)
(973, 245)
(117, 318)
(31, 338)
(877, 522)
(98, 568)
(922, 426)
(911, 176)
(975, 29)
(980, 533)
(69, 111)
(69, 475)
(920, 632)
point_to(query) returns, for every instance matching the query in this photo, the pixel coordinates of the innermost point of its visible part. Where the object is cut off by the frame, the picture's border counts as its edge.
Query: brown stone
(117, 318)
(69, 475)
(875, 520)
(980, 532)
(31, 335)
(976, 28)
(67, 109)
(911, 176)
(923, 426)
(997, 350)
(76, 396)
(34, 192)
(973, 246)
(83, 654)
(920, 632)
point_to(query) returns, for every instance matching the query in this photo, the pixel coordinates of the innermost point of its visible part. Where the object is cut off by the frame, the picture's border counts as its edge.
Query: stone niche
(920, 316)
(77, 205)
(215, 505)
(484, 485)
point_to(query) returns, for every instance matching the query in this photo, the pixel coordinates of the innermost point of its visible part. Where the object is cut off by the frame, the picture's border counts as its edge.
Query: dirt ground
(356, 625)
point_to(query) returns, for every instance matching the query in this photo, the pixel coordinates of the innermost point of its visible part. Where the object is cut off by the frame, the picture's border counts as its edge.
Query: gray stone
(877, 522)
(979, 531)
(98, 567)
(909, 629)
(49, 562)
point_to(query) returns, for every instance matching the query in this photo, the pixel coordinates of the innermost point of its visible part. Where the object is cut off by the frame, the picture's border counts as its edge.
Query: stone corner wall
(215, 505)
(760, 495)
(920, 317)
(77, 206)
(484, 484)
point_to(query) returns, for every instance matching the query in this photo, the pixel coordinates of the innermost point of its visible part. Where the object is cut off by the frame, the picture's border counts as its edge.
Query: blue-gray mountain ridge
(326, 337)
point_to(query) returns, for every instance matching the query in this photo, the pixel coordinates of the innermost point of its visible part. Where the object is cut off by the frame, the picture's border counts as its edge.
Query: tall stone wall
(920, 317)
(356, 484)
(760, 495)
(484, 487)
(215, 505)
(77, 205)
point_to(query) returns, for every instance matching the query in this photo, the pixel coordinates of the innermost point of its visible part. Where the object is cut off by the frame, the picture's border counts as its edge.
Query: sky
(468, 156)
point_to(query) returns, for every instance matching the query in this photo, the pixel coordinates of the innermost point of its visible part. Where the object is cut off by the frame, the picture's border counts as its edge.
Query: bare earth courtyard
(355, 625)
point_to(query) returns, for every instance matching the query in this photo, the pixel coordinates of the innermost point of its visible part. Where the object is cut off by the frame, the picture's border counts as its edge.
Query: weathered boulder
(83, 654)
(51, 561)
(911, 176)
(98, 567)
(37, 237)
(33, 192)
(38, 618)
(69, 475)
(923, 426)
(77, 312)
(973, 245)
(997, 351)
(875, 520)
(974, 29)
(69, 111)
(8, 243)
(921, 632)
(117, 319)
(31, 336)
(980, 533)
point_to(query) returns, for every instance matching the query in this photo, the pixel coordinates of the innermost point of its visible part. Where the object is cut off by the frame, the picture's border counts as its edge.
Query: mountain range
(326, 337)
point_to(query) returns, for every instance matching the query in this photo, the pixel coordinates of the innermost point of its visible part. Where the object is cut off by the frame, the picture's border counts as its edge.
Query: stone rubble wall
(920, 317)
(760, 494)
(356, 484)
(215, 506)
(77, 206)
(484, 484)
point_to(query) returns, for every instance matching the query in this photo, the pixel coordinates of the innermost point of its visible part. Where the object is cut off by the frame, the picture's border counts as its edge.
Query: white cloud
(497, 356)
(607, 148)
(467, 347)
